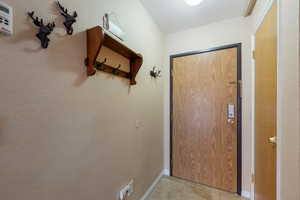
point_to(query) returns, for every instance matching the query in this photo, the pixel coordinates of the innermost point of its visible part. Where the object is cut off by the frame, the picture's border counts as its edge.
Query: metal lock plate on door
(230, 111)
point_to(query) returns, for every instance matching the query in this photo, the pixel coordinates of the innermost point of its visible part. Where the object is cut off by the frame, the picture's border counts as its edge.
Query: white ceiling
(175, 15)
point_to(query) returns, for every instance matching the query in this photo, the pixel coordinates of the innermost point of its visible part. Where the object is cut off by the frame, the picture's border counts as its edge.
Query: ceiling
(175, 15)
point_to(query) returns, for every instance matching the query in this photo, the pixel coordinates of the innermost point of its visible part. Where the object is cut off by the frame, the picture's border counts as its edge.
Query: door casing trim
(239, 105)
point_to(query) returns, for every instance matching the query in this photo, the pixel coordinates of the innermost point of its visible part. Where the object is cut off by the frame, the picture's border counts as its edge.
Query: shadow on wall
(25, 35)
(65, 53)
(69, 54)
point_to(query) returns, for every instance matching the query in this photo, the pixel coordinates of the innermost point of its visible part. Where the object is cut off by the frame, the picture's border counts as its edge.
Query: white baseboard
(151, 188)
(246, 194)
(166, 172)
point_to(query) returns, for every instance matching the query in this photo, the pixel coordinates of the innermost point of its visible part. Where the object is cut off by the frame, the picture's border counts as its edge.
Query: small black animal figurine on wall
(155, 72)
(69, 19)
(44, 31)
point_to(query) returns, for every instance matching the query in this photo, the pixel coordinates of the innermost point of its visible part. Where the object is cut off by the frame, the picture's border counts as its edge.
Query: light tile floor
(170, 188)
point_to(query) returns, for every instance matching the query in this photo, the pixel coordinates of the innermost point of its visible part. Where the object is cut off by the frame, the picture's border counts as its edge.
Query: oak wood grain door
(205, 117)
(265, 107)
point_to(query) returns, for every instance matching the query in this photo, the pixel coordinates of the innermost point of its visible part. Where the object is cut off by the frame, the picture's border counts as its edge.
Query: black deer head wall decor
(44, 30)
(69, 19)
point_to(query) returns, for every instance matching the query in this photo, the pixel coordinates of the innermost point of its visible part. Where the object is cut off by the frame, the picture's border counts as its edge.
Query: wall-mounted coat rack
(96, 38)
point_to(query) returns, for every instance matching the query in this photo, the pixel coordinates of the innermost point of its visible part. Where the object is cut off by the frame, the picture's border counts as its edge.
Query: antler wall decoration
(69, 19)
(44, 30)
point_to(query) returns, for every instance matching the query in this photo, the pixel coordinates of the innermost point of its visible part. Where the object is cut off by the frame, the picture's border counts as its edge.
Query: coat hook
(104, 61)
(100, 66)
(155, 72)
(115, 71)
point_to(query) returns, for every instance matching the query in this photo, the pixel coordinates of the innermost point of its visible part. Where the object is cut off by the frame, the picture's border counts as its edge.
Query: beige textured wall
(226, 32)
(63, 136)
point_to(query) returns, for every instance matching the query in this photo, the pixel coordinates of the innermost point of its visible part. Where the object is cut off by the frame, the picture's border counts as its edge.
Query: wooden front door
(265, 107)
(204, 117)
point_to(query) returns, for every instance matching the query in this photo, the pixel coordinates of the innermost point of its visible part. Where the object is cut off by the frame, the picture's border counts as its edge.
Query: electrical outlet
(126, 191)
(130, 187)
